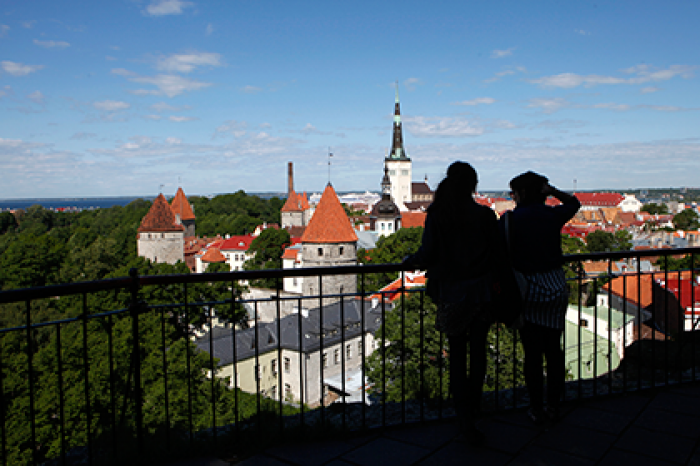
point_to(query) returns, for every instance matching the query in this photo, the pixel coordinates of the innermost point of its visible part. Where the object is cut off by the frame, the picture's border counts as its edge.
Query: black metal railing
(137, 368)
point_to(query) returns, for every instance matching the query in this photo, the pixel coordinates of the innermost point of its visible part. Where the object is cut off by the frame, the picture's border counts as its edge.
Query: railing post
(134, 310)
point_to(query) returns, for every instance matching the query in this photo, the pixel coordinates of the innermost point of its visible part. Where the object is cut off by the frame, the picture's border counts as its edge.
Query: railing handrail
(65, 289)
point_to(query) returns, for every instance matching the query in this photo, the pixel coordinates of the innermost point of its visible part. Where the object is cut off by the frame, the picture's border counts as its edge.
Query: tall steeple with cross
(397, 161)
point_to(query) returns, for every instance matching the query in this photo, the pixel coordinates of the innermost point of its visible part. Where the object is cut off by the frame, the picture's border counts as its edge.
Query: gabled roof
(237, 243)
(413, 219)
(293, 204)
(398, 287)
(160, 217)
(213, 255)
(600, 199)
(304, 201)
(686, 290)
(180, 206)
(420, 187)
(330, 223)
(638, 289)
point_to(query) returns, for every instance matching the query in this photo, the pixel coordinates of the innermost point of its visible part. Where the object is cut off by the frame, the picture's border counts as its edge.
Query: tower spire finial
(397, 91)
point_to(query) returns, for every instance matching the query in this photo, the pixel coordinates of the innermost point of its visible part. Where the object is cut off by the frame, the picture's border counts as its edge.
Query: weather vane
(330, 154)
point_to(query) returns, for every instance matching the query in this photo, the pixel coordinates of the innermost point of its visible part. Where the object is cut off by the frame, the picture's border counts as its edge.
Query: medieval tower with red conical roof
(160, 237)
(329, 241)
(183, 212)
(296, 211)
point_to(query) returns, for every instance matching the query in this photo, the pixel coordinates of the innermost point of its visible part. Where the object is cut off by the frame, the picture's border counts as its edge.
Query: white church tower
(398, 163)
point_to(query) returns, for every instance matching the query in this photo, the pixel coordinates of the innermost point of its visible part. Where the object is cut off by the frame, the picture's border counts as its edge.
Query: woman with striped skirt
(533, 232)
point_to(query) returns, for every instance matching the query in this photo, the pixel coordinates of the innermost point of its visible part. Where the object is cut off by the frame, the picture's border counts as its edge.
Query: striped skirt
(547, 299)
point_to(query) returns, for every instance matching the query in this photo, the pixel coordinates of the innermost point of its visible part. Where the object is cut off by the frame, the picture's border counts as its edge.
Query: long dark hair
(450, 196)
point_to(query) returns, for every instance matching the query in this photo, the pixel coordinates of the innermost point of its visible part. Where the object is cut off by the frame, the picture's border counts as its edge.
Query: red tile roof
(600, 199)
(236, 243)
(394, 290)
(160, 217)
(413, 219)
(304, 201)
(180, 206)
(330, 223)
(290, 254)
(687, 292)
(627, 285)
(213, 255)
(294, 203)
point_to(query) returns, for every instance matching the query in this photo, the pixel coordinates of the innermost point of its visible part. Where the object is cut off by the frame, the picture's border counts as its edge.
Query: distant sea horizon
(88, 202)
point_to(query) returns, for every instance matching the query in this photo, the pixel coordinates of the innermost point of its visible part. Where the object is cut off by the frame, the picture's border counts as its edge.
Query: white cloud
(110, 58)
(236, 128)
(644, 74)
(167, 7)
(37, 97)
(181, 119)
(82, 136)
(28, 24)
(111, 105)
(582, 32)
(3, 29)
(666, 108)
(502, 53)
(153, 117)
(19, 69)
(173, 140)
(310, 129)
(549, 105)
(167, 84)
(431, 127)
(649, 89)
(165, 107)
(51, 44)
(477, 101)
(501, 74)
(251, 89)
(209, 30)
(613, 106)
(186, 62)
(411, 83)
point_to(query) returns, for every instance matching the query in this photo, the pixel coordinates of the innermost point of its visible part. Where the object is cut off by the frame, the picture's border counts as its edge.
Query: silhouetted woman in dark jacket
(458, 249)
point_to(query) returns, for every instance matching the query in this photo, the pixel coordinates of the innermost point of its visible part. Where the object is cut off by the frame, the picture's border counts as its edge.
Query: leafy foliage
(40, 247)
(655, 209)
(686, 220)
(416, 367)
(390, 249)
(602, 241)
(266, 251)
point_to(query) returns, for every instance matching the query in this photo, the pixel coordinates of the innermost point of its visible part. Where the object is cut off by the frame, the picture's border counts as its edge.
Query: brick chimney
(290, 182)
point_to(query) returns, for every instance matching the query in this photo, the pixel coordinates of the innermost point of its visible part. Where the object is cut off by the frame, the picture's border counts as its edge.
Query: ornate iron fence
(137, 368)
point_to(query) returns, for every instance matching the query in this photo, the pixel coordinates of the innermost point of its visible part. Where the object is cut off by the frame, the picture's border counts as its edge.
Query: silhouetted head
(527, 187)
(456, 188)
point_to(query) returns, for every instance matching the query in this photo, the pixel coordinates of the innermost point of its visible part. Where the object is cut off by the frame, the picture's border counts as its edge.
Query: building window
(320, 251)
(287, 365)
(273, 391)
(336, 356)
(273, 366)
(388, 226)
(325, 360)
(392, 172)
(359, 348)
(404, 172)
(583, 323)
(287, 391)
(340, 251)
(348, 352)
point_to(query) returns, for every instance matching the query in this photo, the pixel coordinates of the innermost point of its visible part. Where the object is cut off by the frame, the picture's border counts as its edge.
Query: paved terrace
(652, 428)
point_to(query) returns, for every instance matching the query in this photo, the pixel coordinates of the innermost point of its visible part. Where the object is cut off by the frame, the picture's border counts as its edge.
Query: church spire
(397, 150)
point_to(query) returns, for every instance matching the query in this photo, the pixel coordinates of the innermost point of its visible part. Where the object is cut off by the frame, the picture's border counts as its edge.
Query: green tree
(389, 249)
(267, 251)
(7, 222)
(414, 367)
(603, 241)
(655, 209)
(686, 220)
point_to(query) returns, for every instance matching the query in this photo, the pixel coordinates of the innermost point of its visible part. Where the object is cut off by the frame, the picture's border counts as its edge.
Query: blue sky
(121, 97)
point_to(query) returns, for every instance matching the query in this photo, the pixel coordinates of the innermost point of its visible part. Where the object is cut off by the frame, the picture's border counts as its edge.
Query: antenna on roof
(574, 184)
(330, 154)
(160, 189)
